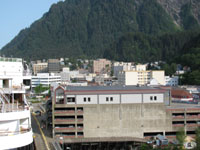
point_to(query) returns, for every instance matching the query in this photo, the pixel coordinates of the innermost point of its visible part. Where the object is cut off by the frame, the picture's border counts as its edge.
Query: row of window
(109, 99)
(153, 98)
(85, 99)
(88, 99)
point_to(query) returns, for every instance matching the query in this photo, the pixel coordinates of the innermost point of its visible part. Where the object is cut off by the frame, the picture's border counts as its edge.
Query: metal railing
(9, 133)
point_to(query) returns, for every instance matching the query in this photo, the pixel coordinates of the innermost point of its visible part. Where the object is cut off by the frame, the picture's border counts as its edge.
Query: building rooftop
(109, 88)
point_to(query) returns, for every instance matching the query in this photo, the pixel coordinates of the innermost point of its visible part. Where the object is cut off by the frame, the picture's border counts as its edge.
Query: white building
(45, 79)
(141, 77)
(171, 81)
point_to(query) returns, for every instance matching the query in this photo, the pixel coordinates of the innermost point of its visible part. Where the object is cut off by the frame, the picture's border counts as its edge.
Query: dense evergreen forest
(126, 30)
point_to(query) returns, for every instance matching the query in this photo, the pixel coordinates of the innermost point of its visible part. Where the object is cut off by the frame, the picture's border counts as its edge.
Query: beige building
(141, 76)
(101, 66)
(39, 67)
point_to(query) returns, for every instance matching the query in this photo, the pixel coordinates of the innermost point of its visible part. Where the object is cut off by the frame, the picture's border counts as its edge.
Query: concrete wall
(125, 120)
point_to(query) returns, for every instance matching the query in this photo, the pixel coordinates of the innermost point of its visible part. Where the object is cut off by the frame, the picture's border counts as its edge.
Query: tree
(39, 89)
(197, 138)
(180, 136)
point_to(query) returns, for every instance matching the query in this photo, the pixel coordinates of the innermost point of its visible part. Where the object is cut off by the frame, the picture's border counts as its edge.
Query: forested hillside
(143, 48)
(88, 27)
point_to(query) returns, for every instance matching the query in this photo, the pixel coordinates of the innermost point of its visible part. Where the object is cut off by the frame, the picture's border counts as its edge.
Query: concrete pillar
(185, 123)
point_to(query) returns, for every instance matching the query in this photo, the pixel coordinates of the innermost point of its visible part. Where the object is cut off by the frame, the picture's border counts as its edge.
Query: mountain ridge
(87, 28)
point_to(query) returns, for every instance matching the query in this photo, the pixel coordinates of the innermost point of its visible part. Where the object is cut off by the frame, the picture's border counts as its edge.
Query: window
(71, 99)
(111, 98)
(155, 98)
(88, 99)
(107, 99)
(84, 99)
(151, 98)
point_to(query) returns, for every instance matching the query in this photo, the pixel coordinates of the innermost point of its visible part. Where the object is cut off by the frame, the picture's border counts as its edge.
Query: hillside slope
(88, 27)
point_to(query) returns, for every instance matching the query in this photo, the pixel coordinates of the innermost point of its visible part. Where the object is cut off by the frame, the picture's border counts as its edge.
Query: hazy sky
(16, 15)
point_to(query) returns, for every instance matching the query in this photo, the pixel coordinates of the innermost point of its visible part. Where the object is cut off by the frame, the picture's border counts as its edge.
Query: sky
(16, 15)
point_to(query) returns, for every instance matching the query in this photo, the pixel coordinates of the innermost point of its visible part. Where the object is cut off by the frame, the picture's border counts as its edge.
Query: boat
(15, 115)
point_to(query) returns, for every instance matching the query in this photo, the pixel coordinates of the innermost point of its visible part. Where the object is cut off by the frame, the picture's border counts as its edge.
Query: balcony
(11, 133)
(18, 138)
(13, 107)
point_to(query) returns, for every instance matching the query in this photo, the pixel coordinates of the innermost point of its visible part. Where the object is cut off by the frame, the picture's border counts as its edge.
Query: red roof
(180, 93)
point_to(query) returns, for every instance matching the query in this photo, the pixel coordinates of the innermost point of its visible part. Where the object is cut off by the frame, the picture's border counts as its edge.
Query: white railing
(9, 133)
(14, 107)
(2, 95)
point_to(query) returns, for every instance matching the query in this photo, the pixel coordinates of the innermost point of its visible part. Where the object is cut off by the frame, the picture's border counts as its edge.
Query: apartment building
(118, 113)
(138, 75)
(141, 77)
(39, 68)
(54, 66)
(101, 66)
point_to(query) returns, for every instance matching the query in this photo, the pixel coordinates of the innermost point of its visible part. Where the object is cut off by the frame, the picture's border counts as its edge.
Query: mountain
(184, 12)
(88, 28)
(144, 48)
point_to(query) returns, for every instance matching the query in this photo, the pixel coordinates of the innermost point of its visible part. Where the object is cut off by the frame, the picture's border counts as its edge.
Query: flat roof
(109, 88)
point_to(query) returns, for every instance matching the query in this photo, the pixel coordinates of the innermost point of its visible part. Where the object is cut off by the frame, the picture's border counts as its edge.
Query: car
(37, 113)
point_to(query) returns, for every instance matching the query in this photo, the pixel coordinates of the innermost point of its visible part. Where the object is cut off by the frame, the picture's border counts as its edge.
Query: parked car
(37, 112)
